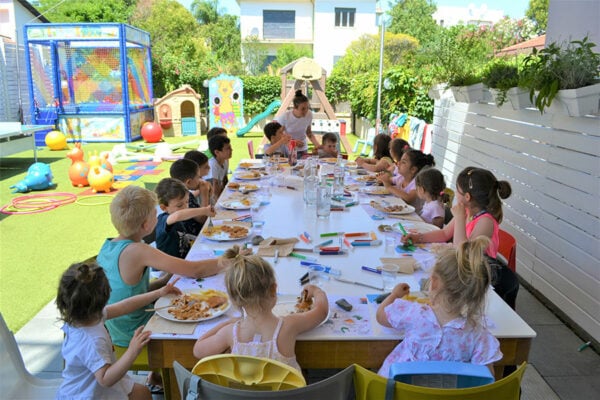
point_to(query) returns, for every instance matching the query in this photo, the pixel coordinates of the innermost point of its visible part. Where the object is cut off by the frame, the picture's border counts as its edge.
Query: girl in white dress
(252, 287)
(430, 188)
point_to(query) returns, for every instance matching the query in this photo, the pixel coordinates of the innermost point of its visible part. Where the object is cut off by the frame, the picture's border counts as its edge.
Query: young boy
(126, 258)
(329, 147)
(188, 172)
(173, 235)
(203, 170)
(220, 148)
(214, 131)
(278, 139)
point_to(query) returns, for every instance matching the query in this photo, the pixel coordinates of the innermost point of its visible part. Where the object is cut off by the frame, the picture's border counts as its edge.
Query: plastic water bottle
(311, 181)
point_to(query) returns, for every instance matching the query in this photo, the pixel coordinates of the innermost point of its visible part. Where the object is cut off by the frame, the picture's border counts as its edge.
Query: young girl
(91, 369)
(451, 328)
(409, 163)
(382, 159)
(251, 285)
(430, 189)
(478, 212)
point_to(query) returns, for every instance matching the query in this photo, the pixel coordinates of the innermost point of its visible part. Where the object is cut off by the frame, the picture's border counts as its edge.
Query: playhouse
(178, 112)
(93, 80)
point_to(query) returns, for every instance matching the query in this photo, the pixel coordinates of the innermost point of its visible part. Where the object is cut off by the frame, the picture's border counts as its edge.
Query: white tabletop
(287, 216)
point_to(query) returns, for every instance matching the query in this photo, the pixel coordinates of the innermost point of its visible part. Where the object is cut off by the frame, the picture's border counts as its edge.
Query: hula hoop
(81, 199)
(37, 203)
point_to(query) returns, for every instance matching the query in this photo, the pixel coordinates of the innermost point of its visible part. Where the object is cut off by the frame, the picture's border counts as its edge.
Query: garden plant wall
(553, 164)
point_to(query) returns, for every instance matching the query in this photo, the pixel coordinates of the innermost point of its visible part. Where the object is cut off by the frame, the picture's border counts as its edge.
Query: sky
(512, 8)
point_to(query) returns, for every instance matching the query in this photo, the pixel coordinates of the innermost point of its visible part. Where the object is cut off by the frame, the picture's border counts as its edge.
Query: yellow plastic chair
(336, 387)
(247, 372)
(369, 385)
(141, 361)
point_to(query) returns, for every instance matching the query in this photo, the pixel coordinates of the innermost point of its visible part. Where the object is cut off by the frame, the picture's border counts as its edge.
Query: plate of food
(329, 160)
(226, 232)
(351, 164)
(366, 178)
(193, 306)
(243, 203)
(251, 165)
(302, 304)
(392, 209)
(377, 190)
(248, 176)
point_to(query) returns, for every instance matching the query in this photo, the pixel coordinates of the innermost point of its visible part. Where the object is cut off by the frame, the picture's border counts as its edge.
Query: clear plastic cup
(389, 275)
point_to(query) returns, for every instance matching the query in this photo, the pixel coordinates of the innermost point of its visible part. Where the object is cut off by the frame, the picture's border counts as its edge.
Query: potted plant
(466, 86)
(568, 74)
(501, 75)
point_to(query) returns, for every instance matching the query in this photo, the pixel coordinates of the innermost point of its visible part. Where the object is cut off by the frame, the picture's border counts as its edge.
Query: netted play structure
(93, 80)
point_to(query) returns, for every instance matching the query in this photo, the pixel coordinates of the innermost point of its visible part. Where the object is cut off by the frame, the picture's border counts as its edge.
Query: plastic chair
(366, 143)
(441, 374)
(448, 205)
(336, 387)
(141, 361)
(15, 381)
(251, 149)
(247, 372)
(369, 385)
(508, 249)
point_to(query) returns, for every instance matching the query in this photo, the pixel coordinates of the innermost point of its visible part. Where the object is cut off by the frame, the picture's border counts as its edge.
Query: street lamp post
(380, 15)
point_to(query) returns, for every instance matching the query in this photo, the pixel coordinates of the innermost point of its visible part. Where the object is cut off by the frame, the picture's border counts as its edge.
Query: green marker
(303, 257)
(331, 234)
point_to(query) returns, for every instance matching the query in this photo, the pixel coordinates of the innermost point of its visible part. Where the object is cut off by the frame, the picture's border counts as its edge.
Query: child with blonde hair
(452, 327)
(430, 189)
(478, 212)
(91, 369)
(252, 287)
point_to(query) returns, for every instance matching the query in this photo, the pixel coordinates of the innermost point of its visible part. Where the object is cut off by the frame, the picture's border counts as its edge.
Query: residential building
(325, 27)
(471, 15)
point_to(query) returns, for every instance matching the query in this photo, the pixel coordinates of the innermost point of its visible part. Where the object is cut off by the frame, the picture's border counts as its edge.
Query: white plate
(236, 204)
(223, 236)
(375, 190)
(408, 209)
(247, 176)
(249, 165)
(285, 308)
(166, 300)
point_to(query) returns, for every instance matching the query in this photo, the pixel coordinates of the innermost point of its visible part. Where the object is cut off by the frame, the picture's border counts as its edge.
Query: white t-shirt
(432, 209)
(217, 171)
(86, 350)
(296, 127)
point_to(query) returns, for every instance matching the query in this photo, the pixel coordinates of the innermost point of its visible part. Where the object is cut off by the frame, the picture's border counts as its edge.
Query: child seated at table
(478, 212)
(126, 259)
(252, 287)
(278, 140)
(91, 368)
(382, 159)
(220, 148)
(409, 163)
(202, 198)
(328, 147)
(453, 327)
(174, 231)
(188, 172)
(430, 189)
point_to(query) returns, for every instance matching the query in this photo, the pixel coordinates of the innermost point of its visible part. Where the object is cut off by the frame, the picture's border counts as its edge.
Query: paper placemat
(157, 324)
(225, 214)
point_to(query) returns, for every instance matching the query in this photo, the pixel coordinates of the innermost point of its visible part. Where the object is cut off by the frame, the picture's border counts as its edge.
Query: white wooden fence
(552, 162)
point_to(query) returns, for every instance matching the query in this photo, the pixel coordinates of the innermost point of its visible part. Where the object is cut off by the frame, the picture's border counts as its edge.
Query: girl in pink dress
(453, 327)
(478, 212)
(252, 287)
(430, 188)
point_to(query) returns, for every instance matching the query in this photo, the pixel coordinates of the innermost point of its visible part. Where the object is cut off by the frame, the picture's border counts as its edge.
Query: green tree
(87, 10)
(290, 52)
(414, 18)
(255, 54)
(206, 11)
(223, 38)
(538, 13)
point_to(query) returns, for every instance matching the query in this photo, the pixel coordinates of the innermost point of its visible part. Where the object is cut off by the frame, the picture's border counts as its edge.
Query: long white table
(348, 337)
(15, 138)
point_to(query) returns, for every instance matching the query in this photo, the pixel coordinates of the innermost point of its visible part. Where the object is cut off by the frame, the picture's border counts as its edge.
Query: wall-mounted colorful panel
(226, 102)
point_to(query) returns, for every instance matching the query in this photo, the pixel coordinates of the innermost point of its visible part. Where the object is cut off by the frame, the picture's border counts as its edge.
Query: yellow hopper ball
(56, 140)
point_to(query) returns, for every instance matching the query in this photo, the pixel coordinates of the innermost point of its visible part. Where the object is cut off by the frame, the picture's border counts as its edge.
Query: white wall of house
(573, 20)
(314, 25)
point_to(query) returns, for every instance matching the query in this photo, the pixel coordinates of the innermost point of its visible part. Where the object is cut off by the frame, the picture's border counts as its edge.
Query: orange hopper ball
(151, 132)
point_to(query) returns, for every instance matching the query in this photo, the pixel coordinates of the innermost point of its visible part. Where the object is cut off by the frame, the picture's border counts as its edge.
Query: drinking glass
(324, 201)
(389, 273)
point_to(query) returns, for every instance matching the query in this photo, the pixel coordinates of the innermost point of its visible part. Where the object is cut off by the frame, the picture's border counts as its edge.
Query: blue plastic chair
(441, 374)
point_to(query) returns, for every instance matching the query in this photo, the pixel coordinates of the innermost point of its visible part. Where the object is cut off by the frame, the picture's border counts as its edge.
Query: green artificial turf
(35, 249)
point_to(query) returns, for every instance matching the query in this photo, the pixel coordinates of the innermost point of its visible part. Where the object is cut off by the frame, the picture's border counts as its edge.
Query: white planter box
(579, 102)
(519, 98)
(435, 92)
(468, 94)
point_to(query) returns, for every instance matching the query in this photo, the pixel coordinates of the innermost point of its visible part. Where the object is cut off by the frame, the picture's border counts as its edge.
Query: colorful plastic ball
(152, 132)
(56, 140)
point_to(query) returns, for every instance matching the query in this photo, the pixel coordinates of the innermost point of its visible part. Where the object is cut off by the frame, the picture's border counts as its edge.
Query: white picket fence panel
(552, 162)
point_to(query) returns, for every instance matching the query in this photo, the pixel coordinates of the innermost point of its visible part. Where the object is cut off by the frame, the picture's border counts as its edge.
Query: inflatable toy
(79, 169)
(151, 132)
(100, 179)
(39, 177)
(56, 140)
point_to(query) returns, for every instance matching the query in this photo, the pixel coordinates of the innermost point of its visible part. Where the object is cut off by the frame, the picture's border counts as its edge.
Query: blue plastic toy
(39, 177)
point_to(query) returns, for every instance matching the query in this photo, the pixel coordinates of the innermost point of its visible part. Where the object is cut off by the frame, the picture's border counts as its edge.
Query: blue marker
(374, 270)
(324, 268)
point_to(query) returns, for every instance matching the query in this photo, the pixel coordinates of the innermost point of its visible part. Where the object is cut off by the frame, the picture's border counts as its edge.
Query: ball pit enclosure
(94, 81)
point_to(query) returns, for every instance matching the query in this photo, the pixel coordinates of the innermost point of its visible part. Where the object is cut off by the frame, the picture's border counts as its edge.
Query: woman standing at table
(297, 123)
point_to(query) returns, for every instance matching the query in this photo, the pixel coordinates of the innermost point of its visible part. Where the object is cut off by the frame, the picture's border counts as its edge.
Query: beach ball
(56, 140)
(151, 132)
